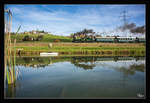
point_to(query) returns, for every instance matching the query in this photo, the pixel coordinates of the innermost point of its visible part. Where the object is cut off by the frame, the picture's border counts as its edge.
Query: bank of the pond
(129, 49)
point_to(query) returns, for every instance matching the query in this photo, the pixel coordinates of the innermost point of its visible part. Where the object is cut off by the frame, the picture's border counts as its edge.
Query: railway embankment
(108, 49)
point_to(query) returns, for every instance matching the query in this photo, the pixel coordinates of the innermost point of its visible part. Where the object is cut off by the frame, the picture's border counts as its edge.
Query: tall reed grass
(10, 52)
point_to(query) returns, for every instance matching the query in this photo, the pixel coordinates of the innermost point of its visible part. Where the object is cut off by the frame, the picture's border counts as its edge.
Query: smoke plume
(133, 28)
(140, 29)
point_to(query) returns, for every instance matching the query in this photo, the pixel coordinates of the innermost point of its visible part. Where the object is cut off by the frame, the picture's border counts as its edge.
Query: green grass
(134, 51)
(46, 38)
(67, 48)
(52, 38)
(35, 47)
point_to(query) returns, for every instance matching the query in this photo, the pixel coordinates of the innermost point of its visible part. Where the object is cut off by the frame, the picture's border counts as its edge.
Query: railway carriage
(142, 40)
(105, 39)
(112, 40)
(127, 39)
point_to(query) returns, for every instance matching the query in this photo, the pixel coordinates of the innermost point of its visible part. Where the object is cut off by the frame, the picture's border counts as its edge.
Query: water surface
(78, 77)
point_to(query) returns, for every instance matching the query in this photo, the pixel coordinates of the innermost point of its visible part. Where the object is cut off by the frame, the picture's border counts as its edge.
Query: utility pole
(124, 16)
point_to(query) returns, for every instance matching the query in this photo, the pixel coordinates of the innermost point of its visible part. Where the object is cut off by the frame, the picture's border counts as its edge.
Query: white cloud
(64, 22)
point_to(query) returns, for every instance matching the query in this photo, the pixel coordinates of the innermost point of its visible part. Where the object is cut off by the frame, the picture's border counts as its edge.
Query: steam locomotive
(111, 39)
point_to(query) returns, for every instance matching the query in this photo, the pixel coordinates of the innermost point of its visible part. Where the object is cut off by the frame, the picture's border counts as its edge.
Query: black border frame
(146, 2)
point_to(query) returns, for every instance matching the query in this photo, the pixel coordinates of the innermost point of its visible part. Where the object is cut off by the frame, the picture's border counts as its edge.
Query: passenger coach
(112, 39)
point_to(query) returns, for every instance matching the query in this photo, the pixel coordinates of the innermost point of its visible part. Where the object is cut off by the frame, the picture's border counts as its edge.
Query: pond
(71, 77)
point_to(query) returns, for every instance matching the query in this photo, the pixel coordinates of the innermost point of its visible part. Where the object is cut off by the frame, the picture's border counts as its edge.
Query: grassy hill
(45, 38)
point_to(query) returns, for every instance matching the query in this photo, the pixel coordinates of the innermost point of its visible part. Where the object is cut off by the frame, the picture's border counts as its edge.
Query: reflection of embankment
(90, 62)
(39, 61)
(87, 62)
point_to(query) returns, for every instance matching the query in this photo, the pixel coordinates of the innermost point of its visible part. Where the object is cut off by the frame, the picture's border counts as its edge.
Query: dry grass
(84, 44)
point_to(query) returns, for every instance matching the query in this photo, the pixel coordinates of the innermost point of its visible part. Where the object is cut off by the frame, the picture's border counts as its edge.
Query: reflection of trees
(34, 61)
(27, 60)
(139, 58)
(40, 61)
(127, 70)
(89, 59)
(90, 63)
(86, 62)
(33, 65)
(78, 60)
(132, 69)
(136, 67)
(84, 66)
(84, 59)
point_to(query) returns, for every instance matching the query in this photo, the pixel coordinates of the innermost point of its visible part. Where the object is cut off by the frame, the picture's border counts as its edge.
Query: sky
(66, 19)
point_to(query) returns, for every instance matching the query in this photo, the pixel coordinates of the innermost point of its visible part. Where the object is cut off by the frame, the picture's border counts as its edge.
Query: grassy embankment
(129, 49)
(65, 47)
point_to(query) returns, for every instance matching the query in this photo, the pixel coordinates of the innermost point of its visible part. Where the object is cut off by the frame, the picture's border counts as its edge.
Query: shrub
(57, 40)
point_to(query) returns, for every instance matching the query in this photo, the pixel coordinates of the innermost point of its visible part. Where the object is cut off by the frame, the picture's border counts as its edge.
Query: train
(110, 39)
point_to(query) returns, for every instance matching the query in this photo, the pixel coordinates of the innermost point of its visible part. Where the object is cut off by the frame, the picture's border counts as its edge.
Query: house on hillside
(25, 32)
(34, 32)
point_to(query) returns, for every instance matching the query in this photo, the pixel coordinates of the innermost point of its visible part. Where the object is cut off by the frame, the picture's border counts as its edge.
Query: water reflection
(11, 87)
(78, 76)
(82, 62)
(85, 62)
(88, 63)
(11, 91)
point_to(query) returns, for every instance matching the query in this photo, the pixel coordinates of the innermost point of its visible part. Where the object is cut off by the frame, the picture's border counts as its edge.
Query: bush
(40, 37)
(26, 38)
(57, 40)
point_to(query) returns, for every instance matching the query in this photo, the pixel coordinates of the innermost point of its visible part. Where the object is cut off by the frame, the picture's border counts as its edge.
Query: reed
(10, 52)
(9, 67)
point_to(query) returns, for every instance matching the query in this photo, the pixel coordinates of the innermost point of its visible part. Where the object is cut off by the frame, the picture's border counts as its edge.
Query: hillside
(45, 38)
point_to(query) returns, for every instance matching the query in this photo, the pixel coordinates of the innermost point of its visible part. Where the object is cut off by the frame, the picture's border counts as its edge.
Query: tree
(71, 35)
(84, 33)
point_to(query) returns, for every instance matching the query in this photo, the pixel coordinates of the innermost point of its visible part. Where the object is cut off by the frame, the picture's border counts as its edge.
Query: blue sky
(67, 19)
